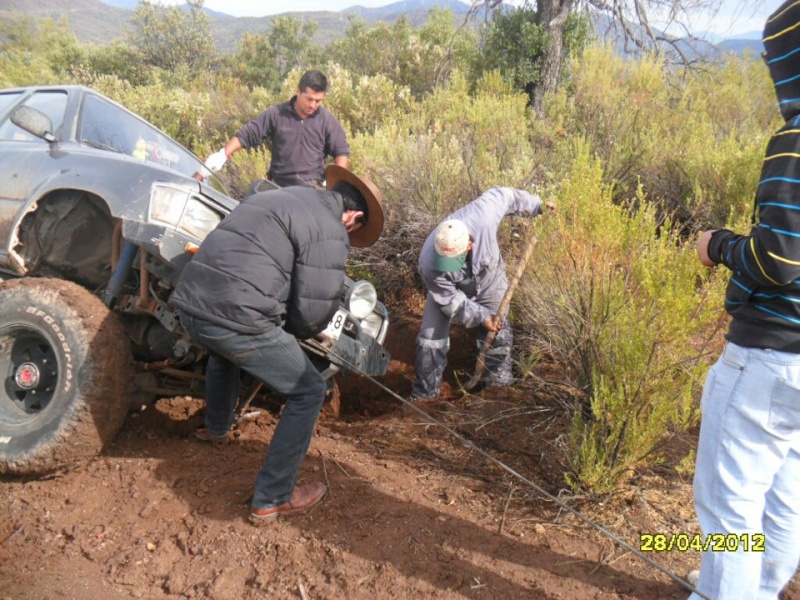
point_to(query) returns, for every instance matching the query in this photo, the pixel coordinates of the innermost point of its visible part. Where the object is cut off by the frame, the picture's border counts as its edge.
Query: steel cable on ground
(319, 348)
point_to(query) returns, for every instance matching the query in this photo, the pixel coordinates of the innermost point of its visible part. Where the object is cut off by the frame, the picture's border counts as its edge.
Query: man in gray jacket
(270, 273)
(461, 266)
(301, 133)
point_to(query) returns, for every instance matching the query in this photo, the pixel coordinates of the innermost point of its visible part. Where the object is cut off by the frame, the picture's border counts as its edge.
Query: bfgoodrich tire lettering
(66, 372)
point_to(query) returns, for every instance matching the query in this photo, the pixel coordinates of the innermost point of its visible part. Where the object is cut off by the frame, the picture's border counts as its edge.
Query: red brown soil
(412, 512)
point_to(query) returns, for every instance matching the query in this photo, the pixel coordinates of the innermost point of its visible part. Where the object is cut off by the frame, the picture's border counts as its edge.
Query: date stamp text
(715, 542)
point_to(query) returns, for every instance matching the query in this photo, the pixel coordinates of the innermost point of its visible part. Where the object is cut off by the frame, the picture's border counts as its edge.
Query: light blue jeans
(747, 476)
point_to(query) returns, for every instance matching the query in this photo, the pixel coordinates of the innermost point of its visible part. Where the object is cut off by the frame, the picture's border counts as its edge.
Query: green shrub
(363, 103)
(36, 53)
(730, 111)
(622, 305)
(692, 141)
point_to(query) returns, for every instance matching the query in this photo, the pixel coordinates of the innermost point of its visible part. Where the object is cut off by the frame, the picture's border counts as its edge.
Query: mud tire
(86, 397)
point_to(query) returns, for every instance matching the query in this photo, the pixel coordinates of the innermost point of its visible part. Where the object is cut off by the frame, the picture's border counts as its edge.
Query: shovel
(480, 366)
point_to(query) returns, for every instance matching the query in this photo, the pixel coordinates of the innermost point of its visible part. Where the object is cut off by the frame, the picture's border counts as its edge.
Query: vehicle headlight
(175, 206)
(167, 204)
(198, 219)
(371, 325)
(361, 299)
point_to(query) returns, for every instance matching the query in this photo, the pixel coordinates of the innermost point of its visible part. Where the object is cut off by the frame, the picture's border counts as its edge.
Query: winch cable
(323, 351)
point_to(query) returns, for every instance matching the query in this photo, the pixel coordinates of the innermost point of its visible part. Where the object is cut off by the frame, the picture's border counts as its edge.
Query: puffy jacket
(763, 296)
(277, 258)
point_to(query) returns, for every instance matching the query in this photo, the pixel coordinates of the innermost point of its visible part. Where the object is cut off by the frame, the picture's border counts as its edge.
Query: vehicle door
(24, 158)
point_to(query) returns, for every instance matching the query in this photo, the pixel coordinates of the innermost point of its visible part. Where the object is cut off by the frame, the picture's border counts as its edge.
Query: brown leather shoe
(218, 440)
(303, 497)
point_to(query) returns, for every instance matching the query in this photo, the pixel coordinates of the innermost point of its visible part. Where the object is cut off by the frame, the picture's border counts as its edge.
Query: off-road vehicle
(99, 213)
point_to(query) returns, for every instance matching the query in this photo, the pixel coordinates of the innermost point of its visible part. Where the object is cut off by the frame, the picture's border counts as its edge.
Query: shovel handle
(480, 366)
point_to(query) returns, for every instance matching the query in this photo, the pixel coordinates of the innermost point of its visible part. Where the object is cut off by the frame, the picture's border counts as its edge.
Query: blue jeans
(275, 358)
(747, 477)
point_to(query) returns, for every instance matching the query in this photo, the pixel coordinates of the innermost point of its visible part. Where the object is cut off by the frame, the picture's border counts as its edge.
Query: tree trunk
(554, 15)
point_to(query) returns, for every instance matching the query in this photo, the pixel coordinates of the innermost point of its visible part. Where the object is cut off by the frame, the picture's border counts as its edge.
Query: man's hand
(217, 160)
(550, 206)
(702, 248)
(493, 323)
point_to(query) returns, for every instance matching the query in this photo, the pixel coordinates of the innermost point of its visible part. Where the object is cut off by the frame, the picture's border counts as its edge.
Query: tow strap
(323, 351)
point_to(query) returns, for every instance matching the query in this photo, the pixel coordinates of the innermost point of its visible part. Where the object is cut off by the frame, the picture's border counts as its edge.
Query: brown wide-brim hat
(372, 229)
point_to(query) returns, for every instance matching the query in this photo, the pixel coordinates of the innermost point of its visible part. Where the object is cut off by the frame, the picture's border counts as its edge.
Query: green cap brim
(448, 264)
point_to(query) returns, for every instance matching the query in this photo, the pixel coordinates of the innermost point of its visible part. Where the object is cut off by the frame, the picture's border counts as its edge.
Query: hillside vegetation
(637, 156)
(97, 22)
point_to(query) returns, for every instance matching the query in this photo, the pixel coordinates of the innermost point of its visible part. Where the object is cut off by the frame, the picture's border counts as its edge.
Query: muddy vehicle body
(99, 213)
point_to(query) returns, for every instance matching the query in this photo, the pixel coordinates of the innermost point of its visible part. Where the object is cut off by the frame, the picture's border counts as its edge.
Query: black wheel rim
(29, 367)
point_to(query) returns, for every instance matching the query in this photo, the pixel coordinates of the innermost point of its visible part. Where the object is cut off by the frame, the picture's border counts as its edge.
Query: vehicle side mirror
(34, 122)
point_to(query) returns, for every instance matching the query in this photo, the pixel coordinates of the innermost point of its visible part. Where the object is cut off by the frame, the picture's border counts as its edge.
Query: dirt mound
(412, 512)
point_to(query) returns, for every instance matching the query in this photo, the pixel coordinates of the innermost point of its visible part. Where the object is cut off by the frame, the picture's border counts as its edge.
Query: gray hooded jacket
(485, 268)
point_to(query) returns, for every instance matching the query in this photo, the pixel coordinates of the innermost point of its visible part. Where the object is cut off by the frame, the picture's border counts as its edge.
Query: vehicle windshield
(107, 126)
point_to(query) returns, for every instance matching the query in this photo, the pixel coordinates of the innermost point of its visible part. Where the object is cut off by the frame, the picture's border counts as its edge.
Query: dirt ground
(412, 512)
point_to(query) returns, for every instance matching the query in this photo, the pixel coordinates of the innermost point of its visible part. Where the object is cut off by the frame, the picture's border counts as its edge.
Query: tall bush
(36, 53)
(692, 140)
(622, 305)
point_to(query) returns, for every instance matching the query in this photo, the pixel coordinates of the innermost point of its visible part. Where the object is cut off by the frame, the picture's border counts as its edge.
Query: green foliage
(362, 103)
(369, 51)
(172, 38)
(693, 143)
(615, 301)
(453, 50)
(416, 59)
(266, 60)
(729, 112)
(117, 60)
(515, 42)
(36, 54)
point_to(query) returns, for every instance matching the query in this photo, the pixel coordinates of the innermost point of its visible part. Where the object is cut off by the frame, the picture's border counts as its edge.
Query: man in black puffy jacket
(270, 273)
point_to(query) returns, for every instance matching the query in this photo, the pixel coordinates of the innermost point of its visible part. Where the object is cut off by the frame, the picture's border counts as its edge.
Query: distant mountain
(100, 21)
(404, 6)
(92, 21)
(125, 4)
(132, 4)
(750, 35)
(738, 46)
(393, 10)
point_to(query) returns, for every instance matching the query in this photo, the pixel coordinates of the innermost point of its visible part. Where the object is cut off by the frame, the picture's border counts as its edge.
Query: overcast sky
(732, 18)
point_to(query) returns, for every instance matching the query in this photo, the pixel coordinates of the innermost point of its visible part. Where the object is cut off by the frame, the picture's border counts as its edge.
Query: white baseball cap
(451, 244)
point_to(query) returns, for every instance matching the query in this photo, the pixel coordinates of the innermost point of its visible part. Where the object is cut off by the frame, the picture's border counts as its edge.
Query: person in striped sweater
(747, 475)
